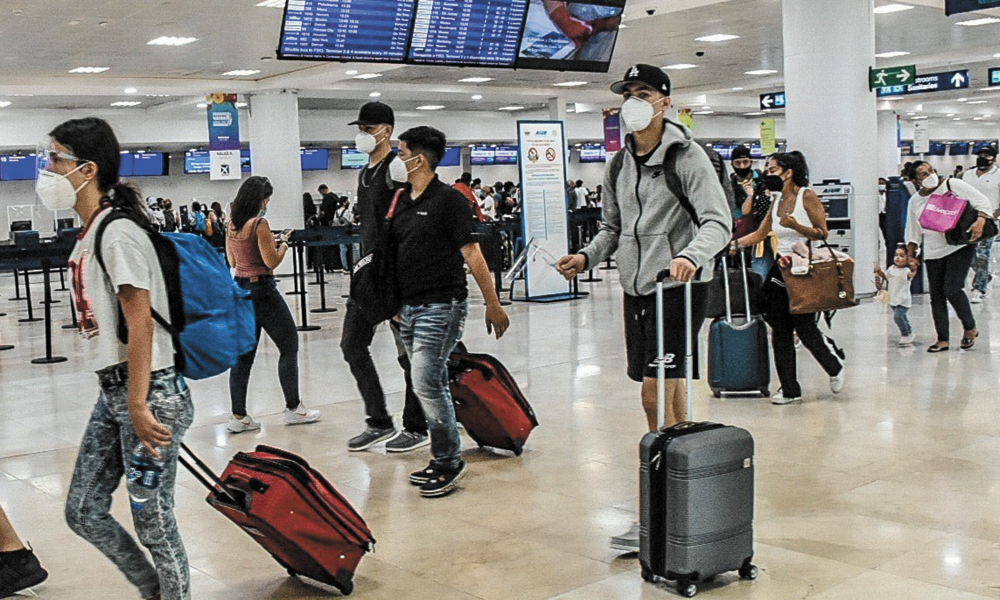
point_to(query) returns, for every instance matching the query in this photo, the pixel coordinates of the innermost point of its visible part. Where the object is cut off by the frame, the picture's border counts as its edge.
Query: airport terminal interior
(888, 488)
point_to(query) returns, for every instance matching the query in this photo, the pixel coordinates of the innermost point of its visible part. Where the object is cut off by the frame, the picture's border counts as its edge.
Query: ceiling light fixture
(171, 41)
(962, 100)
(272, 4)
(891, 8)
(511, 108)
(752, 114)
(950, 115)
(978, 102)
(90, 70)
(680, 67)
(431, 107)
(477, 97)
(978, 22)
(368, 76)
(718, 37)
(475, 80)
(241, 105)
(918, 118)
(202, 105)
(131, 90)
(706, 108)
(375, 95)
(761, 72)
(737, 89)
(703, 112)
(156, 95)
(241, 73)
(126, 103)
(351, 72)
(892, 54)
(4, 103)
(570, 83)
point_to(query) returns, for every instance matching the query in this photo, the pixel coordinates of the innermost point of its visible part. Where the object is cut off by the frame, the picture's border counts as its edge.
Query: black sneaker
(407, 441)
(19, 570)
(443, 482)
(422, 476)
(369, 438)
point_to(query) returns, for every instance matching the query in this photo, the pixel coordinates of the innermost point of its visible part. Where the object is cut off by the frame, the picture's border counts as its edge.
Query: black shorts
(640, 332)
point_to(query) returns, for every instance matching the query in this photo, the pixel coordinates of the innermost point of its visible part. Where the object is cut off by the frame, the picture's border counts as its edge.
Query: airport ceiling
(42, 40)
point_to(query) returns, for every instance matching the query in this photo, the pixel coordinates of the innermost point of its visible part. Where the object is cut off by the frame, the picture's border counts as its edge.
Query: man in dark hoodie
(664, 207)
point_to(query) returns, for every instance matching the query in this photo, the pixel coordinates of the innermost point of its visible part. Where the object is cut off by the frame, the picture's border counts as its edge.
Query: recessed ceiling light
(241, 73)
(918, 118)
(241, 105)
(978, 102)
(706, 108)
(475, 80)
(131, 90)
(977, 118)
(156, 95)
(571, 83)
(703, 112)
(126, 103)
(570, 111)
(375, 95)
(891, 8)
(272, 4)
(431, 107)
(892, 54)
(477, 97)
(950, 115)
(202, 105)
(737, 89)
(978, 22)
(761, 72)
(90, 70)
(511, 108)
(752, 114)
(910, 114)
(4, 103)
(680, 67)
(368, 76)
(957, 119)
(962, 100)
(351, 72)
(171, 41)
(718, 37)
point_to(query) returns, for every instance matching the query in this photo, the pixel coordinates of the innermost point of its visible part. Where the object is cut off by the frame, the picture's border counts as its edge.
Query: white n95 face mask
(637, 114)
(931, 182)
(56, 191)
(365, 142)
(397, 170)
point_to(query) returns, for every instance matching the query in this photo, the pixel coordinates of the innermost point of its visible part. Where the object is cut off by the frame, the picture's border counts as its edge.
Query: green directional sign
(889, 76)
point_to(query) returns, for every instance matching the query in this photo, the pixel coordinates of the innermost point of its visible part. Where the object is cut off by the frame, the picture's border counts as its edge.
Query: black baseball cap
(649, 75)
(739, 152)
(988, 150)
(375, 113)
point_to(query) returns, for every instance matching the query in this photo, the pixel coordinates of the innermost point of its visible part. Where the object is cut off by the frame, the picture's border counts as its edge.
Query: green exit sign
(890, 76)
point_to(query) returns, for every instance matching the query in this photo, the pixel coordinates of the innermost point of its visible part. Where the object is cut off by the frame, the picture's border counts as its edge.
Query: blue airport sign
(772, 101)
(931, 82)
(954, 7)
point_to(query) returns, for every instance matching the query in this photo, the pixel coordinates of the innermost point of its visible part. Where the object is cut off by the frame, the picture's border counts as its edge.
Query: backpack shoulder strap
(674, 183)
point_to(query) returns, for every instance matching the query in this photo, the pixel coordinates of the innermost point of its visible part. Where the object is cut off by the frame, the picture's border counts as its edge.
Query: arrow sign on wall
(879, 78)
(930, 82)
(774, 100)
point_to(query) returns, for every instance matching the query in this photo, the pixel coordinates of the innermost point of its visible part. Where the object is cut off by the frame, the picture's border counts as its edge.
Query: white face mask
(409, 170)
(366, 142)
(56, 191)
(931, 182)
(397, 170)
(637, 114)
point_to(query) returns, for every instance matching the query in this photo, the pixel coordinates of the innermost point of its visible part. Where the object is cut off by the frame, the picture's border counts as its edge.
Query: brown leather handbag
(828, 285)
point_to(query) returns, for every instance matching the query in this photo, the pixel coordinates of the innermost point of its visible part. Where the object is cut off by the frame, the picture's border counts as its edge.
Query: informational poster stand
(544, 213)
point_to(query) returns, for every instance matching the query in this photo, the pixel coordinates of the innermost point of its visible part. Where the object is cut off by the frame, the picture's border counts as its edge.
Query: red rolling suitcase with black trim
(292, 511)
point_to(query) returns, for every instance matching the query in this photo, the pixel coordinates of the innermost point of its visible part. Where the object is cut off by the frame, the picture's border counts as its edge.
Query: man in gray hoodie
(664, 207)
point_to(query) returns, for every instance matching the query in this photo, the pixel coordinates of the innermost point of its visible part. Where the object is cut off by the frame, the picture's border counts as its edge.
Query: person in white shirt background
(986, 179)
(581, 195)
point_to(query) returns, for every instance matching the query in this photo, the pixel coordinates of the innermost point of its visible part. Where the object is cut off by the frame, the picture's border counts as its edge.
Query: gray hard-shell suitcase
(696, 492)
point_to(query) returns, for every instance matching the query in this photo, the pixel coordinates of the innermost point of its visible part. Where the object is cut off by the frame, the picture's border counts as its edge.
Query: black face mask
(773, 183)
(742, 173)
(984, 163)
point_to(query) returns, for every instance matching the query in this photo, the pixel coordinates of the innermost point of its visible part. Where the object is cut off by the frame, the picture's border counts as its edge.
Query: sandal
(968, 341)
(938, 347)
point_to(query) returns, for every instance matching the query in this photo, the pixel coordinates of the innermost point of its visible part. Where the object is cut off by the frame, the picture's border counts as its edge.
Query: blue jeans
(100, 465)
(272, 315)
(981, 264)
(902, 321)
(355, 250)
(429, 333)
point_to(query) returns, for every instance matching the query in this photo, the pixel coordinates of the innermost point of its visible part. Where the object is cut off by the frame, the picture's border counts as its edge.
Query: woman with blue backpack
(250, 248)
(144, 407)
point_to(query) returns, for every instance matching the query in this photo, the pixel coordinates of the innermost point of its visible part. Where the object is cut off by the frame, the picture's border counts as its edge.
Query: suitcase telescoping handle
(219, 489)
(661, 364)
(746, 288)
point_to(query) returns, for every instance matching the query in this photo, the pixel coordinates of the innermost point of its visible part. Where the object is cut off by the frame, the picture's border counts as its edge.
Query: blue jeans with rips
(981, 264)
(100, 465)
(429, 333)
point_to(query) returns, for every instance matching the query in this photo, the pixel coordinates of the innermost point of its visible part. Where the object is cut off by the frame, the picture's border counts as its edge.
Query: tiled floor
(889, 490)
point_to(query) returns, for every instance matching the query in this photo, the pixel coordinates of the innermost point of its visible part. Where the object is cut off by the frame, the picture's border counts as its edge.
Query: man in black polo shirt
(376, 185)
(432, 226)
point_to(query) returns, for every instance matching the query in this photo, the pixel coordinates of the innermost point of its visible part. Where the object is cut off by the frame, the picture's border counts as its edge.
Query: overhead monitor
(315, 159)
(348, 30)
(351, 158)
(506, 155)
(756, 151)
(18, 168)
(959, 148)
(126, 168)
(980, 146)
(483, 33)
(936, 149)
(197, 162)
(452, 157)
(592, 153)
(150, 164)
(482, 155)
(245, 164)
(570, 36)
(724, 150)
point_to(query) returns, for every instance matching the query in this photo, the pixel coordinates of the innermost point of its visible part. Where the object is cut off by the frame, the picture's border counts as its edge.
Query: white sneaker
(906, 340)
(628, 541)
(837, 381)
(976, 297)
(240, 425)
(781, 399)
(301, 415)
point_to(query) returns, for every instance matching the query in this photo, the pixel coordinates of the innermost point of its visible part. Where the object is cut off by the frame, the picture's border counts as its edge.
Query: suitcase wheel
(292, 573)
(686, 589)
(766, 392)
(345, 582)
(647, 573)
(748, 571)
(717, 392)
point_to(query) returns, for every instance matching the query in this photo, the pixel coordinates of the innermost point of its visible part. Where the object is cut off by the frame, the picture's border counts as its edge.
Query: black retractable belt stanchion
(72, 314)
(27, 294)
(48, 359)
(62, 281)
(17, 289)
(323, 308)
(298, 290)
(300, 255)
(608, 266)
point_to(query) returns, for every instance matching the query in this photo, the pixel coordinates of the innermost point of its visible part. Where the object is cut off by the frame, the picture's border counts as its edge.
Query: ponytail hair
(795, 162)
(92, 140)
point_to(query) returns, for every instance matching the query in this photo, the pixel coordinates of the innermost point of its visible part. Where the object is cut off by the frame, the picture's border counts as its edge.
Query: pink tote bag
(942, 212)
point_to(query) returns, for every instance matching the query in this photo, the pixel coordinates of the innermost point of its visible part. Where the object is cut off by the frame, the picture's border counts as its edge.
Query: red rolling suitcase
(488, 402)
(292, 511)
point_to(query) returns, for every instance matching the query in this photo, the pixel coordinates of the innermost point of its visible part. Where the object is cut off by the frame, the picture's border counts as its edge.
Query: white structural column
(557, 109)
(274, 151)
(830, 117)
(888, 144)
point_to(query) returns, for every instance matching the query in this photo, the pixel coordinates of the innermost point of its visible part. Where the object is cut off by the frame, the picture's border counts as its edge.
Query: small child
(898, 277)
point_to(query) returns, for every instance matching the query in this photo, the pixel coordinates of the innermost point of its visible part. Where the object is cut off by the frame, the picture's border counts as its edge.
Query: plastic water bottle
(144, 470)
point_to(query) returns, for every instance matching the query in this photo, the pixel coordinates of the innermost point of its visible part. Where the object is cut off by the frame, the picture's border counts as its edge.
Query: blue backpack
(211, 318)
(199, 222)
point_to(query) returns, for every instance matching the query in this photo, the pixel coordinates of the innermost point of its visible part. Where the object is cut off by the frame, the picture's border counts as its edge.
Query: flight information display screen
(18, 168)
(459, 32)
(355, 30)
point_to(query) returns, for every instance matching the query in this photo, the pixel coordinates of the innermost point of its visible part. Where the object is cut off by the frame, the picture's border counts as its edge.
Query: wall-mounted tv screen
(452, 157)
(506, 155)
(18, 168)
(554, 38)
(756, 151)
(351, 158)
(125, 168)
(959, 148)
(315, 159)
(724, 150)
(592, 153)
(150, 164)
(980, 146)
(245, 165)
(936, 149)
(482, 155)
(359, 30)
(197, 162)
(467, 33)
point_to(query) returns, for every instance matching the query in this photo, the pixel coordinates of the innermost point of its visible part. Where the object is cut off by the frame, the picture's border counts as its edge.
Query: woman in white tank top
(797, 215)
